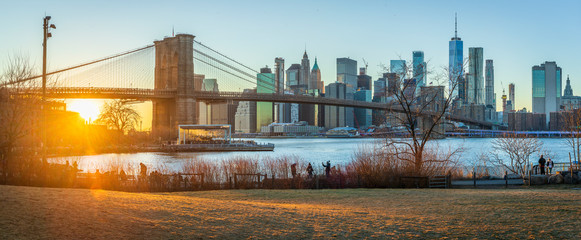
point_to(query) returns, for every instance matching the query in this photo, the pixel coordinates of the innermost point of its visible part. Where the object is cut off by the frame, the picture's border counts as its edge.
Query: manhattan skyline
(516, 35)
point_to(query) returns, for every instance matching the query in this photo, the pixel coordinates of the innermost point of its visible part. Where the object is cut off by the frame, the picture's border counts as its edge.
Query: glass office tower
(456, 66)
(264, 110)
(419, 69)
(546, 88)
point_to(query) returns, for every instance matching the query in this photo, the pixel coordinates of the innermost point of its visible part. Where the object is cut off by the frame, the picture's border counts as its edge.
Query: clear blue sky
(515, 34)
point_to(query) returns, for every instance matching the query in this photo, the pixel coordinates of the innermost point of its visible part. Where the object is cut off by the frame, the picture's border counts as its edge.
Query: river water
(315, 150)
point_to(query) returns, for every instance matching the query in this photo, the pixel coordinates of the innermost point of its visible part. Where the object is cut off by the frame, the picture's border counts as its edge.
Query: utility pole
(46, 34)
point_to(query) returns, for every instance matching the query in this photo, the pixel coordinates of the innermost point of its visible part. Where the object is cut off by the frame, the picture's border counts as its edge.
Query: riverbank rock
(538, 179)
(568, 179)
(556, 179)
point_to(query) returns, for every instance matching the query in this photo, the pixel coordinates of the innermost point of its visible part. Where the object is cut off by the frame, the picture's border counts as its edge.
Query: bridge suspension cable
(223, 68)
(77, 66)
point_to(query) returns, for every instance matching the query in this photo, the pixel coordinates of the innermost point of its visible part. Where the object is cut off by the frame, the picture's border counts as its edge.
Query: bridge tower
(174, 70)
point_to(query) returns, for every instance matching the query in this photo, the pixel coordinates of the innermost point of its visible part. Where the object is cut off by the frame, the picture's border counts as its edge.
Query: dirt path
(28, 212)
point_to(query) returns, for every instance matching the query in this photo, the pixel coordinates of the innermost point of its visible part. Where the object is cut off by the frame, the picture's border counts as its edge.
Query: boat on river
(343, 132)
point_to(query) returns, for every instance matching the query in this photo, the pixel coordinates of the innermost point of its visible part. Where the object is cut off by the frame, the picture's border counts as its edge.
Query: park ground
(59, 213)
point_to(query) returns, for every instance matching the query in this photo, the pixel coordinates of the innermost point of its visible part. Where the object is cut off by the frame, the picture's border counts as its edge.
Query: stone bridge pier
(174, 70)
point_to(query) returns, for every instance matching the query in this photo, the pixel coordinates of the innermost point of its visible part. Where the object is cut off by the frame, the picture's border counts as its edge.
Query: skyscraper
(490, 110)
(456, 65)
(475, 79)
(380, 87)
(546, 88)
(511, 96)
(315, 81)
(489, 75)
(398, 67)
(293, 76)
(363, 116)
(335, 116)
(279, 75)
(347, 73)
(279, 88)
(304, 78)
(363, 80)
(264, 110)
(419, 69)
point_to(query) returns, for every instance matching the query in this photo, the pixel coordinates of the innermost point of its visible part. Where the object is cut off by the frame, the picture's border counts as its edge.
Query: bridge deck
(207, 96)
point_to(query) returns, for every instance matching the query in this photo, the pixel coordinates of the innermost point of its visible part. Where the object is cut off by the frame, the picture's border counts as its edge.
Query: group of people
(545, 163)
(310, 169)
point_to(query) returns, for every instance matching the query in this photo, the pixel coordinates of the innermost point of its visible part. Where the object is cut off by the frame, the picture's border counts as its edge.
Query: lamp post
(46, 34)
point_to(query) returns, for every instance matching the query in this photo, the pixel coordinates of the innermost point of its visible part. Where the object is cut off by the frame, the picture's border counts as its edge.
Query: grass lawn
(30, 212)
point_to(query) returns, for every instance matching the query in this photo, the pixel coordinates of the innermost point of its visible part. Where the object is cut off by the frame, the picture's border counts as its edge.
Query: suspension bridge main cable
(253, 70)
(78, 66)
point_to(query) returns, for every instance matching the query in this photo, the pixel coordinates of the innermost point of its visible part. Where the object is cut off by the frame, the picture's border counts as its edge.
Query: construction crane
(365, 62)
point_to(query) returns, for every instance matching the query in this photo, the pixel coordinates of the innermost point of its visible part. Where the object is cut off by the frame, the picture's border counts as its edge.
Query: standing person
(327, 168)
(294, 169)
(310, 170)
(542, 165)
(550, 166)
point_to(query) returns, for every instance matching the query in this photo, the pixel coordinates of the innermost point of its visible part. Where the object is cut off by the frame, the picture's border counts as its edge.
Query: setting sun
(87, 108)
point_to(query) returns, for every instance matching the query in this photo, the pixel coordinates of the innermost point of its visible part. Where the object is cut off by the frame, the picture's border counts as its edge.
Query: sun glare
(87, 108)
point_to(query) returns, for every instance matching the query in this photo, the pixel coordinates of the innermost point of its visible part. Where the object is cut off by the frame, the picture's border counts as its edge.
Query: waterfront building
(456, 65)
(335, 116)
(490, 96)
(264, 110)
(546, 88)
(290, 129)
(347, 74)
(569, 101)
(363, 80)
(363, 116)
(526, 121)
(245, 117)
(511, 97)
(475, 79)
(419, 69)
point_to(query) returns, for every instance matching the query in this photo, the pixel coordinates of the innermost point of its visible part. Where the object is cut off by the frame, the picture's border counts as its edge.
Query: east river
(315, 150)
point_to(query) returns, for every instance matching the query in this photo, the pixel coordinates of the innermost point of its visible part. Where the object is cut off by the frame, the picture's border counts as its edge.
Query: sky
(515, 34)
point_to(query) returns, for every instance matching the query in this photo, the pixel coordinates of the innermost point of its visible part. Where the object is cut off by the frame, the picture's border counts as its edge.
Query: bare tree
(518, 150)
(19, 107)
(119, 115)
(571, 123)
(421, 111)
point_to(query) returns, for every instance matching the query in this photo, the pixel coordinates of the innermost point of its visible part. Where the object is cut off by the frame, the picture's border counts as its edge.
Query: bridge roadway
(206, 96)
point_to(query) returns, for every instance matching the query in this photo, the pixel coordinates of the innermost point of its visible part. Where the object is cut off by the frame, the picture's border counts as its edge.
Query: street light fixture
(46, 35)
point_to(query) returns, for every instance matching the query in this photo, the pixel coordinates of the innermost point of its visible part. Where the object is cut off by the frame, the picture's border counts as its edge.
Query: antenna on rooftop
(456, 25)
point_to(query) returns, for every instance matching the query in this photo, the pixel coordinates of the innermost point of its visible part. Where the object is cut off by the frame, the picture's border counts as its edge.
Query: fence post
(531, 169)
(505, 179)
(474, 176)
(571, 168)
(272, 181)
(317, 181)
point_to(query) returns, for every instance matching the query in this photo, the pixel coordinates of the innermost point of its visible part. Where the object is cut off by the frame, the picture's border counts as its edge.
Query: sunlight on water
(314, 150)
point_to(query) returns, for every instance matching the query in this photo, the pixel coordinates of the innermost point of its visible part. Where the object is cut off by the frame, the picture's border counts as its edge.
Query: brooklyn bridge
(168, 73)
